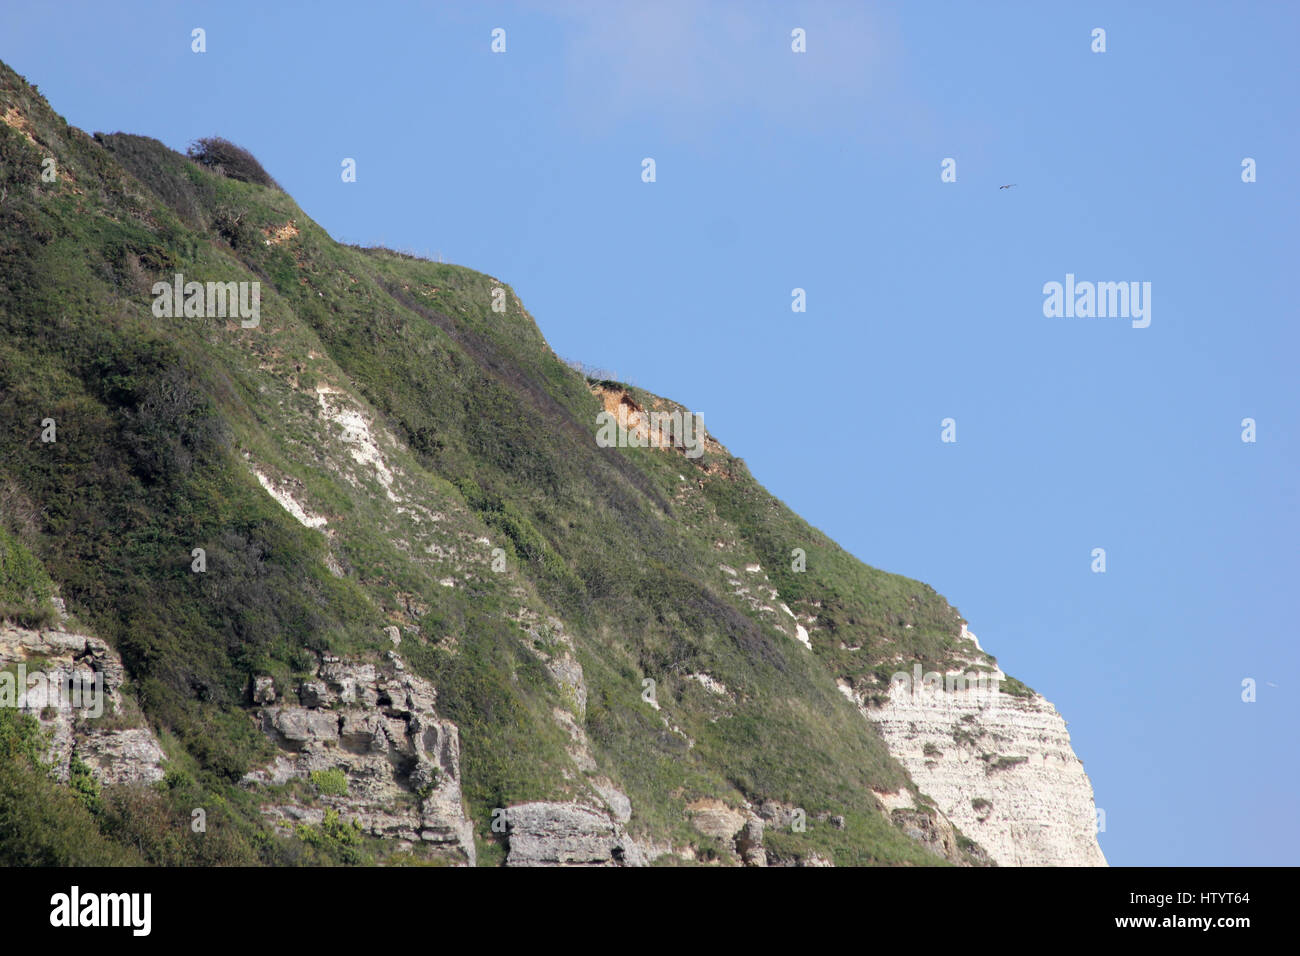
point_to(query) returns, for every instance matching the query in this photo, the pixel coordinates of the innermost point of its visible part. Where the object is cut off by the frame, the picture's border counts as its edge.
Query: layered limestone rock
(741, 829)
(999, 767)
(366, 737)
(71, 683)
(567, 834)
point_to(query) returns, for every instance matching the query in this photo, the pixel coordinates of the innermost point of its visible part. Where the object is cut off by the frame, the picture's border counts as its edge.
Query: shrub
(332, 782)
(232, 226)
(83, 783)
(234, 162)
(335, 838)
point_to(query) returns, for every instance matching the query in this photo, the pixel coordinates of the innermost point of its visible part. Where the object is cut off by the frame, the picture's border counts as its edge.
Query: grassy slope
(158, 418)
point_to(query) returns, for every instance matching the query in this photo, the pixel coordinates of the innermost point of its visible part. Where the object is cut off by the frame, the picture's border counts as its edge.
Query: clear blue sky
(822, 171)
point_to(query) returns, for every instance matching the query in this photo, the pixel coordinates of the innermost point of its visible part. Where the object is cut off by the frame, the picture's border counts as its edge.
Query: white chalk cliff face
(1000, 767)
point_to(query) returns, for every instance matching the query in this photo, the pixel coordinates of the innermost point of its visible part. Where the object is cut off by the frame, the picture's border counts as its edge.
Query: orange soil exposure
(613, 398)
(19, 122)
(276, 236)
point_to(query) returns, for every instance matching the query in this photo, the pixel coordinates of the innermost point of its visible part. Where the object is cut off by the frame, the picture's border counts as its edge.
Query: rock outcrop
(71, 683)
(567, 834)
(366, 738)
(998, 766)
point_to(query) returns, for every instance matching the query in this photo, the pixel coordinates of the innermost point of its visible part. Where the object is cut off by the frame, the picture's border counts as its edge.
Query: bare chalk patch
(288, 503)
(356, 435)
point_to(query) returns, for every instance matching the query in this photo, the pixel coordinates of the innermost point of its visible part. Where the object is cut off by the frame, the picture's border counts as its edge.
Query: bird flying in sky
(1007, 186)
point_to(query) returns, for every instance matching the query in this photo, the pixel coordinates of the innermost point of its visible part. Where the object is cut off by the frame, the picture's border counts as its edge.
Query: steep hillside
(376, 588)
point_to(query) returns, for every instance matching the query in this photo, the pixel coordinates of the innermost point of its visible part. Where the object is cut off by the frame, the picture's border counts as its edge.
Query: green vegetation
(335, 839)
(1015, 688)
(82, 783)
(224, 157)
(332, 782)
(25, 588)
(160, 423)
(41, 822)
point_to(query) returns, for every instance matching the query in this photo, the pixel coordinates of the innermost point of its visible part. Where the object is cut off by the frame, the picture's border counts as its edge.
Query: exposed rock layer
(92, 722)
(1000, 767)
(567, 834)
(375, 724)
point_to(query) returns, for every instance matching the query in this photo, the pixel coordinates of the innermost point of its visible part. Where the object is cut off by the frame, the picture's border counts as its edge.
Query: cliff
(382, 591)
(998, 766)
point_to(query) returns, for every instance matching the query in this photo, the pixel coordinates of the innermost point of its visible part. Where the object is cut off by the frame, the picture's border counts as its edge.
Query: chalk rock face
(72, 686)
(567, 834)
(1000, 767)
(375, 724)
